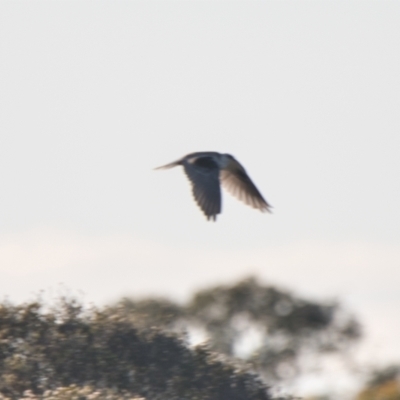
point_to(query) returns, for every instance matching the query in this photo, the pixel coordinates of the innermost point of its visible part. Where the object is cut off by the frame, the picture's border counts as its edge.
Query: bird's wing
(203, 173)
(236, 181)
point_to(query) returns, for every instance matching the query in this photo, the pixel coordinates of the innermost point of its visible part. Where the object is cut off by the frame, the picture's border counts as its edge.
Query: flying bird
(207, 170)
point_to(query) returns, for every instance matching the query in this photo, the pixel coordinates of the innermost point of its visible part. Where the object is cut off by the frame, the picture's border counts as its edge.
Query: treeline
(143, 348)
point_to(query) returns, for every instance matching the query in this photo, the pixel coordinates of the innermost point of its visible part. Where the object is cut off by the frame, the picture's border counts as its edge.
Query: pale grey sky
(306, 95)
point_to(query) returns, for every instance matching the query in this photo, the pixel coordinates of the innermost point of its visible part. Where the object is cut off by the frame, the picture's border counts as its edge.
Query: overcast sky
(95, 94)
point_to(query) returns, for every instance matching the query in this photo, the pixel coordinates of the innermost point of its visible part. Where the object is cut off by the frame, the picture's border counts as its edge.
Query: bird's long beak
(170, 165)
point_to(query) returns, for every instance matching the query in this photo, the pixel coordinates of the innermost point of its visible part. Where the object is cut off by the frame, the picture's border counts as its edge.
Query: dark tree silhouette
(41, 351)
(142, 348)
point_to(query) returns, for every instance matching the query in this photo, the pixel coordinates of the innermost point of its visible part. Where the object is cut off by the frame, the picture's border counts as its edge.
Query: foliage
(384, 375)
(142, 348)
(52, 350)
(284, 325)
(74, 392)
(384, 384)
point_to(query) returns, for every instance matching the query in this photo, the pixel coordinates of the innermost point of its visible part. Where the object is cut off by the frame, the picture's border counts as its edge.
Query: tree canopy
(282, 325)
(143, 348)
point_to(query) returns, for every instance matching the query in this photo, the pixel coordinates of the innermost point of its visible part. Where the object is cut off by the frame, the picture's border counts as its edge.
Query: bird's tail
(170, 165)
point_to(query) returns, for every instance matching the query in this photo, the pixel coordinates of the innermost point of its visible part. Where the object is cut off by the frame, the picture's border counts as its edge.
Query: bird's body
(207, 170)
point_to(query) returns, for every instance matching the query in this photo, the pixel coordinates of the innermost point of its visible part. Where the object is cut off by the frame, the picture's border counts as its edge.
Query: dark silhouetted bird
(207, 170)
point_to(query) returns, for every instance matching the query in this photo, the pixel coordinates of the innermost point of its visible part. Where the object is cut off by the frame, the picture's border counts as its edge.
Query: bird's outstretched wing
(203, 173)
(236, 181)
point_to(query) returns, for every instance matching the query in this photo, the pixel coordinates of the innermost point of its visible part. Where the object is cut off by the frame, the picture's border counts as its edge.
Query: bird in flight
(207, 170)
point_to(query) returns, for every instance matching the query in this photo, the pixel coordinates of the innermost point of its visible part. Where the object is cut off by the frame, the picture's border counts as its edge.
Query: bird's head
(226, 160)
